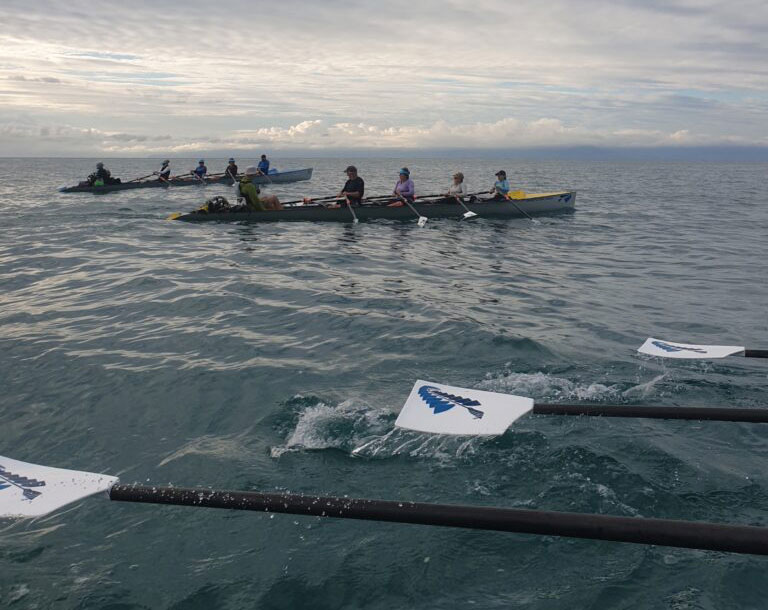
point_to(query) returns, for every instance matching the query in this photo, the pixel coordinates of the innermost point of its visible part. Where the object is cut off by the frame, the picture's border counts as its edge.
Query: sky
(137, 78)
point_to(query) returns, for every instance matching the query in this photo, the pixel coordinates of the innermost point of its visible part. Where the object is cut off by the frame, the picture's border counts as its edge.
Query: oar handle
(665, 532)
(756, 353)
(755, 416)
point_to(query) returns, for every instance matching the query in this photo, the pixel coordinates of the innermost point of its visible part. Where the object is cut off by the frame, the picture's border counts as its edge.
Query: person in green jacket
(252, 195)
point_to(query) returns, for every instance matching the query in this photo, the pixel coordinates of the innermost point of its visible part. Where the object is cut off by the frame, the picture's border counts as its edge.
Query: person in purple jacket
(404, 189)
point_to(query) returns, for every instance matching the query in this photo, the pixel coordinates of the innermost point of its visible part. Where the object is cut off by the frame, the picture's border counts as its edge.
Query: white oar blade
(423, 220)
(468, 215)
(29, 490)
(668, 349)
(443, 409)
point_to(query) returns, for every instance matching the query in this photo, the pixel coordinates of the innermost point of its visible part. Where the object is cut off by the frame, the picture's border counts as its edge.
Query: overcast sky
(173, 78)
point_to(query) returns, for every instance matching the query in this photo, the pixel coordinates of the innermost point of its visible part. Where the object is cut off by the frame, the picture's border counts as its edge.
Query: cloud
(625, 71)
(317, 134)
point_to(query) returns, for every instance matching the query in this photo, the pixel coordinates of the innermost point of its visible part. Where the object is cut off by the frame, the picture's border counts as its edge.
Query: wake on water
(364, 431)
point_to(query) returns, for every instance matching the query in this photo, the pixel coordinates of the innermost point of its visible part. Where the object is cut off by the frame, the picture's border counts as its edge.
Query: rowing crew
(404, 191)
(103, 176)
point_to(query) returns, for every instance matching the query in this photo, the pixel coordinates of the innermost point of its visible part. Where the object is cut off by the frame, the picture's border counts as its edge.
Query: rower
(404, 189)
(263, 166)
(164, 173)
(501, 186)
(354, 187)
(201, 170)
(457, 190)
(231, 171)
(250, 193)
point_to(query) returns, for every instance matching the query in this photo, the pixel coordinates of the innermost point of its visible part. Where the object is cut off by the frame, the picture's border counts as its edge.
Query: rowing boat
(295, 175)
(531, 204)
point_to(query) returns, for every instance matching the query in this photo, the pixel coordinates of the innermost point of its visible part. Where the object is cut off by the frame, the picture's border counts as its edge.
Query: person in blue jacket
(264, 165)
(201, 170)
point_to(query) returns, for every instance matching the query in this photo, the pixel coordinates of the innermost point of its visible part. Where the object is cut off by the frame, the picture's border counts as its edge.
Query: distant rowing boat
(295, 175)
(532, 204)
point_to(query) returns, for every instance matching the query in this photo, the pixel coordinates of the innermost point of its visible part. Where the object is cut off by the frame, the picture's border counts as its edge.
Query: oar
(59, 487)
(516, 195)
(732, 414)
(468, 213)
(234, 180)
(422, 219)
(668, 349)
(142, 178)
(436, 408)
(349, 205)
(313, 199)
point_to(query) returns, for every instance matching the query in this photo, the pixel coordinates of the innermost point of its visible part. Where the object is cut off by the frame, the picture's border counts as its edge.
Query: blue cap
(231, 160)
(405, 172)
(201, 161)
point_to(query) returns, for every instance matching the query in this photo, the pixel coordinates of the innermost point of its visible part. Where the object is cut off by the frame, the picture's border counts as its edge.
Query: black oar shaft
(695, 413)
(665, 532)
(756, 353)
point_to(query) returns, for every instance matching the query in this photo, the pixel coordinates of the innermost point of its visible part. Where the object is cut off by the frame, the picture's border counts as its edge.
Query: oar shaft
(695, 413)
(665, 532)
(756, 353)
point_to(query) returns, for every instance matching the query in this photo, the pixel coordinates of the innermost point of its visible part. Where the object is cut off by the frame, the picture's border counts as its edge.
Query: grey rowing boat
(531, 204)
(295, 175)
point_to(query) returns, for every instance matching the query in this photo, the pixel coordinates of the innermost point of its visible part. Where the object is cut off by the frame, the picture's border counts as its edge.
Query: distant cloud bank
(88, 79)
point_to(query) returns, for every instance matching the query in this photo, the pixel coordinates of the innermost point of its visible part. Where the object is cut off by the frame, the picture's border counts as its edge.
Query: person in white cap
(251, 193)
(164, 173)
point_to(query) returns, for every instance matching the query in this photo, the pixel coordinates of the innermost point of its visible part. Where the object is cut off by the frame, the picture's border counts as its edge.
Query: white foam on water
(544, 386)
(366, 432)
(324, 426)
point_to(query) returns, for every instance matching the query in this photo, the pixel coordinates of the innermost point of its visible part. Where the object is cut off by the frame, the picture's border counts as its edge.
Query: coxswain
(252, 194)
(200, 171)
(164, 173)
(404, 189)
(231, 171)
(501, 186)
(353, 189)
(101, 176)
(263, 166)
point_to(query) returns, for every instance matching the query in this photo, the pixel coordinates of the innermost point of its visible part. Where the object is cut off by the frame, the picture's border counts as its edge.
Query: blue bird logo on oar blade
(440, 401)
(21, 482)
(676, 348)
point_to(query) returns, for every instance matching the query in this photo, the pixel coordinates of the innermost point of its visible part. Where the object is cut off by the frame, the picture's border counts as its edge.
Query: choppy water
(261, 357)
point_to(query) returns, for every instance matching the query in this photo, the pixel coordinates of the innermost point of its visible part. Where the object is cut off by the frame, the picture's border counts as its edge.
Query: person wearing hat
(101, 176)
(251, 193)
(457, 189)
(404, 189)
(200, 171)
(164, 173)
(354, 188)
(501, 186)
(231, 170)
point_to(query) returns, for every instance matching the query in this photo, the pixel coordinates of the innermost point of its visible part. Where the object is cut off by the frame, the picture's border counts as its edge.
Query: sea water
(275, 357)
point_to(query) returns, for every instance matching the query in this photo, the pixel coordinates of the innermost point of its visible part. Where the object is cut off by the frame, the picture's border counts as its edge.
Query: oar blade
(468, 215)
(423, 220)
(668, 349)
(29, 490)
(443, 409)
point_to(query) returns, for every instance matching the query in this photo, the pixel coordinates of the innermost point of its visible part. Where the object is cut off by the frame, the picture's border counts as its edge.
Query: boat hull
(295, 175)
(533, 205)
